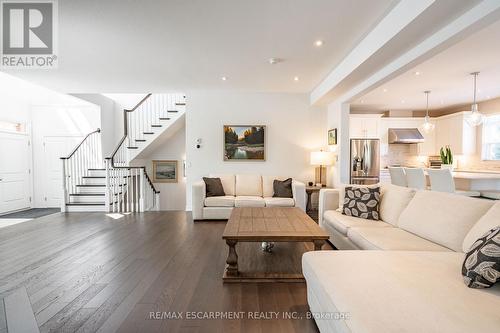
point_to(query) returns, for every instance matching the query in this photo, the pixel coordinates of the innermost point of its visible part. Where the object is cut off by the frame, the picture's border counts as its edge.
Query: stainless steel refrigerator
(365, 161)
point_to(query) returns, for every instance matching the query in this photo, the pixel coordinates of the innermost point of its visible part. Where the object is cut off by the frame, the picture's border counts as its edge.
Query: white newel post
(64, 190)
(107, 190)
(157, 201)
(142, 183)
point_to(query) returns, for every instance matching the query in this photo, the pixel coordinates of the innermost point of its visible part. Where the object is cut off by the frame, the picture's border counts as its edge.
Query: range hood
(405, 135)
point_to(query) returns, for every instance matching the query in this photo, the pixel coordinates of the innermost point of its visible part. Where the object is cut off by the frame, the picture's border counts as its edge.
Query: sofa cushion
(282, 188)
(249, 185)
(362, 202)
(390, 239)
(220, 201)
(393, 292)
(393, 200)
(481, 268)
(249, 201)
(341, 189)
(487, 222)
(279, 202)
(342, 223)
(228, 182)
(443, 218)
(267, 185)
(213, 187)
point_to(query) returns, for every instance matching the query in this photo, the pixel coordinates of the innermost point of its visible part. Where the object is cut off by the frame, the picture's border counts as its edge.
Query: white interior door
(15, 175)
(54, 149)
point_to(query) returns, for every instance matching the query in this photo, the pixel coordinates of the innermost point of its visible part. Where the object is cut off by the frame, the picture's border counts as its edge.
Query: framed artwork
(244, 143)
(332, 137)
(164, 171)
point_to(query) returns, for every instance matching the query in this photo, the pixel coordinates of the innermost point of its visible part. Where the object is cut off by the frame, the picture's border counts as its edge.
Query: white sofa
(242, 190)
(408, 279)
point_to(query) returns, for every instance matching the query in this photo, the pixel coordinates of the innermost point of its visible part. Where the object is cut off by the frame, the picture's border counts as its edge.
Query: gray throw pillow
(282, 189)
(481, 267)
(213, 187)
(362, 202)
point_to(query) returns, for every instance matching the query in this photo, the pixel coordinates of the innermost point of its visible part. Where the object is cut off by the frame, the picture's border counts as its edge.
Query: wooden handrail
(139, 104)
(122, 140)
(76, 148)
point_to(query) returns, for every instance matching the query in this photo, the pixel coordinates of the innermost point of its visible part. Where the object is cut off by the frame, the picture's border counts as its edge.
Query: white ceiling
(446, 75)
(135, 46)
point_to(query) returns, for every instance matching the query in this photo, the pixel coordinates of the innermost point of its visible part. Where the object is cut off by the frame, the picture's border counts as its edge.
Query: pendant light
(427, 126)
(475, 118)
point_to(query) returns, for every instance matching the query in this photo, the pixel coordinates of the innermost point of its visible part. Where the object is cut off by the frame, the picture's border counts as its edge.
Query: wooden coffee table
(268, 225)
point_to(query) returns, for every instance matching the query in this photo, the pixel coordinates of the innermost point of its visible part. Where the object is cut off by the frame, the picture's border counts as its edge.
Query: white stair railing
(129, 189)
(87, 155)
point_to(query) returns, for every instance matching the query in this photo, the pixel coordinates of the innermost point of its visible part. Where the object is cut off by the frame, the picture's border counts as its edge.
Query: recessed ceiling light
(417, 73)
(273, 61)
(384, 90)
(362, 101)
(318, 43)
(296, 78)
(223, 78)
(403, 101)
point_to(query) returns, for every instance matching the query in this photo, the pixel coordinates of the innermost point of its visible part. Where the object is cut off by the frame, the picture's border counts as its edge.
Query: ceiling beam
(480, 16)
(395, 21)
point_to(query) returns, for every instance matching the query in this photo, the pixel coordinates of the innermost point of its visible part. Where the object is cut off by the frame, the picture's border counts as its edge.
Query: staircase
(91, 183)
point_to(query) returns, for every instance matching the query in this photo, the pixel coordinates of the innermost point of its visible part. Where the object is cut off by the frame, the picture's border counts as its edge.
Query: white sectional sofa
(242, 190)
(408, 279)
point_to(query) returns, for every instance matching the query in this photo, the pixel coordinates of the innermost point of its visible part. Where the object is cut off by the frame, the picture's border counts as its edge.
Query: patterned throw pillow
(481, 268)
(362, 202)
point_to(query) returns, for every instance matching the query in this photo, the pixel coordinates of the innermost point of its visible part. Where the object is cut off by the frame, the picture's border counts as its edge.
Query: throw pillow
(362, 202)
(282, 189)
(481, 267)
(213, 187)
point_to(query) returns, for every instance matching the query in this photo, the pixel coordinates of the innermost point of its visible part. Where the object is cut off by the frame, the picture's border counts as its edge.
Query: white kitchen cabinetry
(453, 130)
(364, 126)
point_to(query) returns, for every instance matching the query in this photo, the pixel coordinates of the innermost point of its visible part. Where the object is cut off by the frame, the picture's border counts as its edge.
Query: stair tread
(172, 110)
(180, 103)
(156, 125)
(132, 147)
(91, 185)
(148, 132)
(140, 140)
(93, 177)
(85, 204)
(87, 194)
(92, 169)
(162, 118)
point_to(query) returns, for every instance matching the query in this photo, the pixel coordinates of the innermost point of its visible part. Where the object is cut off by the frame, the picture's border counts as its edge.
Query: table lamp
(322, 159)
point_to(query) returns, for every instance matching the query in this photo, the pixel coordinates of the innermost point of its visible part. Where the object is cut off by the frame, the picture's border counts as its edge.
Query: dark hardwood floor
(88, 272)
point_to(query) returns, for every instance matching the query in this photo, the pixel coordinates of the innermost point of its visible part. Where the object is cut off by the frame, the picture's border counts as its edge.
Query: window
(491, 138)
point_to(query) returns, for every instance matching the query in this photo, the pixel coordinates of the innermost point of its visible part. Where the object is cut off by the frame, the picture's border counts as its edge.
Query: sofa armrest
(198, 199)
(328, 200)
(299, 194)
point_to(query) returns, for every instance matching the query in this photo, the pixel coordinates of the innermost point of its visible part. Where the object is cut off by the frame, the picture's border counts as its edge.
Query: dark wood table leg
(232, 258)
(318, 244)
(308, 205)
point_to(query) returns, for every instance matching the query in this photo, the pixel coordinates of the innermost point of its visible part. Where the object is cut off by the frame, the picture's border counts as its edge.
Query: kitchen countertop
(471, 174)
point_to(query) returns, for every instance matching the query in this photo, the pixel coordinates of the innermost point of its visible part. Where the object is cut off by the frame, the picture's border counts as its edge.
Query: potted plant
(446, 158)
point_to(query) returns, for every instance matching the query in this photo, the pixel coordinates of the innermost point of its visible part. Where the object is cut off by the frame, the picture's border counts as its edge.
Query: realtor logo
(28, 33)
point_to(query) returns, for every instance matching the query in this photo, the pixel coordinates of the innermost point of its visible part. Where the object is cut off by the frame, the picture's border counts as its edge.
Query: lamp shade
(321, 158)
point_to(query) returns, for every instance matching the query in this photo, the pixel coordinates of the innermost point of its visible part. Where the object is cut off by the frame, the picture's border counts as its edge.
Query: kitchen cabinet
(364, 126)
(453, 130)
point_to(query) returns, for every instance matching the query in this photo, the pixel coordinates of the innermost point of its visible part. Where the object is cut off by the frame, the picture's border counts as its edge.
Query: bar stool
(442, 181)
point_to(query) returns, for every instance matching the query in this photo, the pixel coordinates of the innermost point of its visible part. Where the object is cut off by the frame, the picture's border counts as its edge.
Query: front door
(15, 173)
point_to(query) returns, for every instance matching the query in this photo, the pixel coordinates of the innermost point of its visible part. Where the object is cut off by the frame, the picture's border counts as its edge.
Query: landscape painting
(165, 171)
(244, 143)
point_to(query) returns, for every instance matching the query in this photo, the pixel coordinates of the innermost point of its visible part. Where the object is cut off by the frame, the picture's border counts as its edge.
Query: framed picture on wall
(244, 143)
(164, 171)
(332, 137)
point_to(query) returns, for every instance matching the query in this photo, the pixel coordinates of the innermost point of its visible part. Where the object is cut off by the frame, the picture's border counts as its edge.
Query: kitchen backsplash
(402, 154)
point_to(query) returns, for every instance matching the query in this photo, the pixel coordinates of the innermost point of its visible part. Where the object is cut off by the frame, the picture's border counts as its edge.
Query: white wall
(294, 129)
(338, 117)
(107, 126)
(172, 195)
